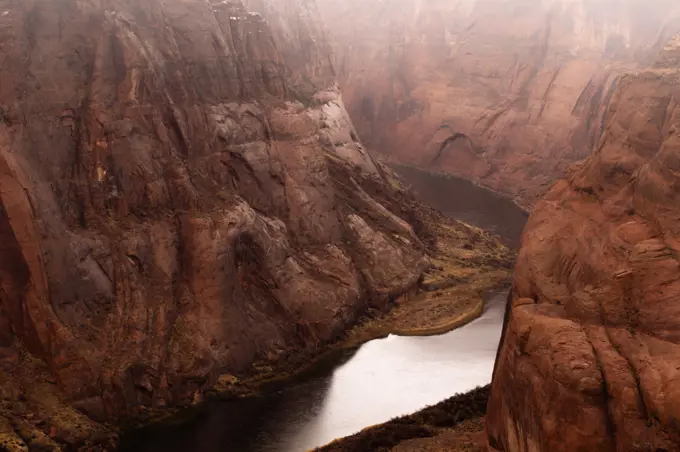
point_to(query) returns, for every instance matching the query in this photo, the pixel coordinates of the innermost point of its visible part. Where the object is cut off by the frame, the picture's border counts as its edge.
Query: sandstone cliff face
(591, 353)
(503, 92)
(180, 195)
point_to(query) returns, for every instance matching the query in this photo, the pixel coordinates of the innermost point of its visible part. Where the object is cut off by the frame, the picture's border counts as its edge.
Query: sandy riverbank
(466, 264)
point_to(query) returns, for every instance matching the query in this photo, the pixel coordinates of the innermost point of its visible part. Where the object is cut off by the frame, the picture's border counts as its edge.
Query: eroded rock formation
(180, 195)
(504, 92)
(591, 353)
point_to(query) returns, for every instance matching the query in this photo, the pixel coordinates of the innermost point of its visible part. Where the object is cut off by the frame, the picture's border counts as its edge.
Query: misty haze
(340, 225)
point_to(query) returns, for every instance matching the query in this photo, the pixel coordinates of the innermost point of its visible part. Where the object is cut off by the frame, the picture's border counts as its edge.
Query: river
(465, 201)
(383, 379)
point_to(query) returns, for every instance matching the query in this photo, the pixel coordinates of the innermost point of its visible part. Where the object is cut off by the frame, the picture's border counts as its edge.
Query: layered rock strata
(591, 353)
(180, 196)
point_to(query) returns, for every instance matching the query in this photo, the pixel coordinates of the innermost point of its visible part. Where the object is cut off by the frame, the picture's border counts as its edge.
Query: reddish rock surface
(180, 195)
(591, 354)
(504, 92)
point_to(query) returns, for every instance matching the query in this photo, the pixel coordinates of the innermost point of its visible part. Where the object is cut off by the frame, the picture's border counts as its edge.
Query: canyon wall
(180, 195)
(503, 92)
(590, 359)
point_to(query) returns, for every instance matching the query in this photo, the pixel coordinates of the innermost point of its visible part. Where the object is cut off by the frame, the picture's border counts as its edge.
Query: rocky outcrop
(591, 353)
(504, 92)
(180, 195)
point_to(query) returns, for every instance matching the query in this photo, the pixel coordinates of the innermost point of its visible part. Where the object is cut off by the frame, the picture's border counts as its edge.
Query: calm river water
(465, 201)
(382, 379)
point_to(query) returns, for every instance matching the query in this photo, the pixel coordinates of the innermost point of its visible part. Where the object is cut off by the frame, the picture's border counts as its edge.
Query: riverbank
(466, 263)
(455, 425)
(386, 378)
(463, 269)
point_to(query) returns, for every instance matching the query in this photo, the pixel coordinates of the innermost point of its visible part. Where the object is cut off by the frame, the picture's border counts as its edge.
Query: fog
(578, 24)
(507, 93)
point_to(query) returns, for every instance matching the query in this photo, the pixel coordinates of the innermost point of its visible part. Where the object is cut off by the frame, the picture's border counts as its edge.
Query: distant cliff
(504, 92)
(180, 195)
(591, 354)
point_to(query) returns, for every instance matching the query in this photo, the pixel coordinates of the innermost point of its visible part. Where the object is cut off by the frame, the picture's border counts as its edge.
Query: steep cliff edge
(591, 352)
(507, 93)
(180, 195)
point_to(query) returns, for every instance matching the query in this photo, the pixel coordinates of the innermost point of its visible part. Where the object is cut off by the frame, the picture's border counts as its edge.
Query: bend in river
(385, 378)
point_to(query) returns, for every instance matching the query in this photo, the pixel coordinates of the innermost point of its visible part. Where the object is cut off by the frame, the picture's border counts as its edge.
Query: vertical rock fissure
(636, 377)
(607, 397)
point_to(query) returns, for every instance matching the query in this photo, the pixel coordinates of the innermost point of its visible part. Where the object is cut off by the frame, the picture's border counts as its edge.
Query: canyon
(182, 194)
(190, 212)
(589, 358)
(187, 211)
(506, 93)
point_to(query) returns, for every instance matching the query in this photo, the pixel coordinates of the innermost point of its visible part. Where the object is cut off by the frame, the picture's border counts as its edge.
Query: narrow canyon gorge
(215, 225)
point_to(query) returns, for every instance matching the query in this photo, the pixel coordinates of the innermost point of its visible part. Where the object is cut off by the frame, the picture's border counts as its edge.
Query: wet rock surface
(182, 194)
(503, 92)
(591, 350)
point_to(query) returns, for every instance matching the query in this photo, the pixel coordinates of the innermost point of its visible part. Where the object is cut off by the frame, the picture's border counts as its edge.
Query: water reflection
(383, 379)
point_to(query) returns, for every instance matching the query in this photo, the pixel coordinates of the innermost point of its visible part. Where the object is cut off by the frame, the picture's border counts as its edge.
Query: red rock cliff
(591, 353)
(503, 92)
(180, 194)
